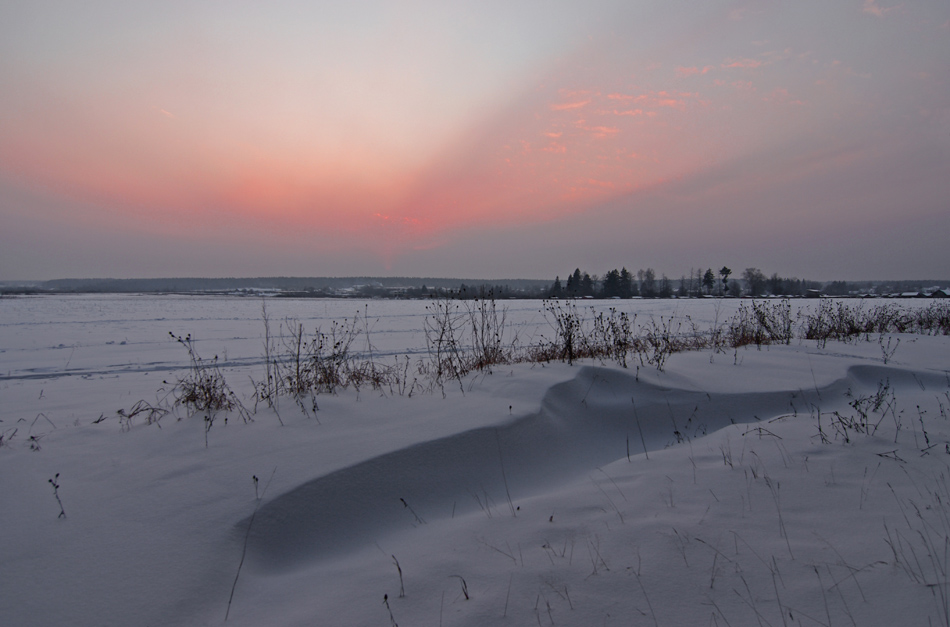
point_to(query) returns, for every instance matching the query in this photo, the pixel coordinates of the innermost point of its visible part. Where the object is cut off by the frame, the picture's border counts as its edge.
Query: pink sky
(493, 140)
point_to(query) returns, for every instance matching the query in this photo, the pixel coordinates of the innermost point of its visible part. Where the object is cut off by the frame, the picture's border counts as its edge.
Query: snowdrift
(798, 484)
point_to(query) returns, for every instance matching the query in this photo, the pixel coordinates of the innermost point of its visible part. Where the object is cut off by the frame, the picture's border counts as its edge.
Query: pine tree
(709, 281)
(626, 283)
(576, 282)
(612, 286)
(587, 285)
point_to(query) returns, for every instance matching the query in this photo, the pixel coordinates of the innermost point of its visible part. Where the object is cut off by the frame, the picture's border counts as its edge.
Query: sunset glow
(324, 138)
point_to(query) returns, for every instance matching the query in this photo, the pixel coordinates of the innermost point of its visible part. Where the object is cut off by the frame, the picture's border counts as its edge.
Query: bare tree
(755, 280)
(648, 284)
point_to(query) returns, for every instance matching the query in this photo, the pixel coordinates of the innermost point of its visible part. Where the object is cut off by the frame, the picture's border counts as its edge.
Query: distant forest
(700, 283)
(578, 284)
(646, 284)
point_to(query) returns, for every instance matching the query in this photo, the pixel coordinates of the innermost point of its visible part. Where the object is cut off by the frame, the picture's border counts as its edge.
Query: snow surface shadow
(582, 424)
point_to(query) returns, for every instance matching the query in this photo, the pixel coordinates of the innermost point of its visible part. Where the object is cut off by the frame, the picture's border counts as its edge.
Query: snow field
(730, 509)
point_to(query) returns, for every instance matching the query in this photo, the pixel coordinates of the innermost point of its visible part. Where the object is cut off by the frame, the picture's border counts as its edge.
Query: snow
(550, 494)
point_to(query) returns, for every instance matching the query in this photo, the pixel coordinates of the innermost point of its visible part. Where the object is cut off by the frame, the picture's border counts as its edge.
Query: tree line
(646, 284)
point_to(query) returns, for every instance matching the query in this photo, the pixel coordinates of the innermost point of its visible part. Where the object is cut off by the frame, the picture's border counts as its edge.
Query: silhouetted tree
(587, 285)
(626, 284)
(775, 284)
(724, 272)
(755, 280)
(611, 284)
(666, 287)
(574, 284)
(709, 281)
(648, 284)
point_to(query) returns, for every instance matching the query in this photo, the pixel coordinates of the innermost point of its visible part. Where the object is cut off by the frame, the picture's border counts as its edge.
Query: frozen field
(94, 335)
(790, 485)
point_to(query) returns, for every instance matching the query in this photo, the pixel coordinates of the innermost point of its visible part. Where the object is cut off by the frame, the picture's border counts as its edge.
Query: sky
(490, 139)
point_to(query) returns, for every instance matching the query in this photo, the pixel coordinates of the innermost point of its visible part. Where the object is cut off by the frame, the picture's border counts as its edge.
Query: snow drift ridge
(593, 419)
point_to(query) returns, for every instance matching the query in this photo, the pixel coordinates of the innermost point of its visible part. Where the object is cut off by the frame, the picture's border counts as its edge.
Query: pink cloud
(671, 103)
(629, 112)
(402, 220)
(603, 131)
(684, 72)
(567, 106)
(663, 98)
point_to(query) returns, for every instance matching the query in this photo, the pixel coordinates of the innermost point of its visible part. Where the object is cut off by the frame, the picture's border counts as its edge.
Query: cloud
(747, 64)
(684, 72)
(872, 8)
(602, 131)
(661, 98)
(672, 103)
(567, 106)
(402, 220)
(308, 151)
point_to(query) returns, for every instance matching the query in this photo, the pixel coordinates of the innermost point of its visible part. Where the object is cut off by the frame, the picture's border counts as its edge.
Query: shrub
(204, 389)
